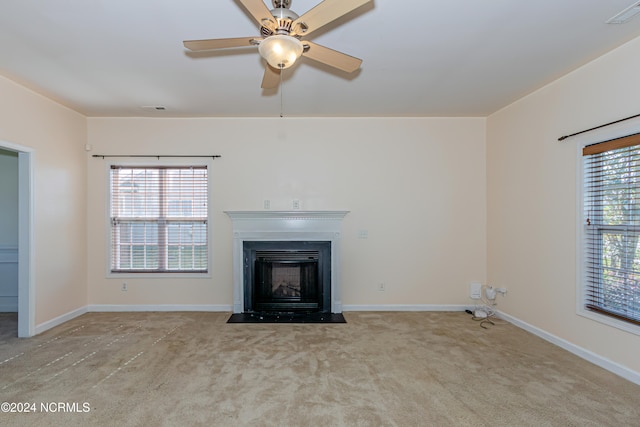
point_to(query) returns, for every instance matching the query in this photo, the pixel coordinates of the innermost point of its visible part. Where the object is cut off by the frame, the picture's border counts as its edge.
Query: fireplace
(287, 235)
(287, 276)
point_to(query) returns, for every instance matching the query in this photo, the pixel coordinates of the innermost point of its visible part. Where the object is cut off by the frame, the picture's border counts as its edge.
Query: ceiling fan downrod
(284, 4)
(283, 17)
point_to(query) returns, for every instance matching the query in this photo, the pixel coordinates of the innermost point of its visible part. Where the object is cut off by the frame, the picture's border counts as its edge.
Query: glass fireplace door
(285, 285)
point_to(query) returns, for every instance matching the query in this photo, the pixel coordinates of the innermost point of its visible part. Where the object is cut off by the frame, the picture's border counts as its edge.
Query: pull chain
(281, 71)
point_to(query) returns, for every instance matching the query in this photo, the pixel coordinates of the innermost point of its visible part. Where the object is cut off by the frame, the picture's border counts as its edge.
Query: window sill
(609, 321)
(129, 275)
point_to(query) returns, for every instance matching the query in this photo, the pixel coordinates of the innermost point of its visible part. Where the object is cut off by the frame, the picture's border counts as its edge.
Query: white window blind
(611, 224)
(159, 219)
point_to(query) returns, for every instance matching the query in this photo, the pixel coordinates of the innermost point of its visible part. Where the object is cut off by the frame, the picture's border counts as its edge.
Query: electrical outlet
(382, 287)
(475, 290)
(124, 287)
(267, 204)
(296, 204)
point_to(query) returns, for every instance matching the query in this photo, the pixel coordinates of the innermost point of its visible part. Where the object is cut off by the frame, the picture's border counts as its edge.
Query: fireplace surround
(287, 226)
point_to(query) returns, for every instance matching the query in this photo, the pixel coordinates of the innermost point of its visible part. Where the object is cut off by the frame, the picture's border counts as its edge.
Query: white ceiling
(421, 57)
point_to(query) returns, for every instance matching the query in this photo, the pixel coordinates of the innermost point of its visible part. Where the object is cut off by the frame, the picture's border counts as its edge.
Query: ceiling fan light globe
(280, 51)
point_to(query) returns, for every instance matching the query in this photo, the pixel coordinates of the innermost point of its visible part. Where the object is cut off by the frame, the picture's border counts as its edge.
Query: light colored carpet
(379, 369)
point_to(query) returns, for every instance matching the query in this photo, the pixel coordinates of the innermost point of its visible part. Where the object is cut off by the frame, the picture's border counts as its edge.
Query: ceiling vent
(154, 107)
(625, 15)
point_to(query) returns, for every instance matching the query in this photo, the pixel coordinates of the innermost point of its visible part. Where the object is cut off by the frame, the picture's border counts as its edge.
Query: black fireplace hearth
(287, 277)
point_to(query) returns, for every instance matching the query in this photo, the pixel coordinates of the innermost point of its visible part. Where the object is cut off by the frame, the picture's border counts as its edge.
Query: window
(159, 219)
(611, 233)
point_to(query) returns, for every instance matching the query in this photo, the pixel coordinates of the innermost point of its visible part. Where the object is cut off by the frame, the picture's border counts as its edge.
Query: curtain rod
(213, 156)
(562, 138)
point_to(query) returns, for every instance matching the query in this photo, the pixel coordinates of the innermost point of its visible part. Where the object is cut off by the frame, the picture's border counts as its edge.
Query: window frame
(160, 162)
(615, 131)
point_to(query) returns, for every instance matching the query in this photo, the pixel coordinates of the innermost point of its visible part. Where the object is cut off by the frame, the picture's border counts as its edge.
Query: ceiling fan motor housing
(283, 17)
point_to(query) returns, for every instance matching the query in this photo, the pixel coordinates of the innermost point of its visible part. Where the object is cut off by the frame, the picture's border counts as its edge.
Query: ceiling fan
(282, 31)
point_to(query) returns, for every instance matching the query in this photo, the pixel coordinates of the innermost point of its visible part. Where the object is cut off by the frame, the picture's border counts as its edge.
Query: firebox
(287, 276)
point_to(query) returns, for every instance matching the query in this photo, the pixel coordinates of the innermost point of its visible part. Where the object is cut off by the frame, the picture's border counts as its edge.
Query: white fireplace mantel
(255, 226)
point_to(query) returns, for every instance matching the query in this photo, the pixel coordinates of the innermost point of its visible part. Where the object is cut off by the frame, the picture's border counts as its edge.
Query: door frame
(26, 294)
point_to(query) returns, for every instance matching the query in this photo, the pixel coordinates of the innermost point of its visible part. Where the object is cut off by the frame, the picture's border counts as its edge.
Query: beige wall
(532, 199)
(416, 185)
(57, 137)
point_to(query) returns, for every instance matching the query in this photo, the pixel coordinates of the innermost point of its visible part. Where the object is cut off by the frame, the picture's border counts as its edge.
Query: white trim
(284, 226)
(579, 230)
(158, 307)
(252, 216)
(585, 354)
(26, 244)
(15, 147)
(163, 275)
(608, 320)
(614, 131)
(404, 307)
(59, 320)
(160, 161)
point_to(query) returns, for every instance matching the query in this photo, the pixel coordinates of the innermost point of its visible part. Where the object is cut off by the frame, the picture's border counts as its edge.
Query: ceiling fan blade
(260, 12)
(331, 57)
(210, 44)
(271, 77)
(322, 14)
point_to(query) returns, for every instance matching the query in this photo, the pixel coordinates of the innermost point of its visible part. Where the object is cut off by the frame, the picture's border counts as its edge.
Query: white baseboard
(585, 354)
(157, 307)
(403, 307)
(59, 320)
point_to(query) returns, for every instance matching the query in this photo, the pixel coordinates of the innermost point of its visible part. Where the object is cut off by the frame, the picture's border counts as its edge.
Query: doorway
(25, 303)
